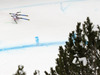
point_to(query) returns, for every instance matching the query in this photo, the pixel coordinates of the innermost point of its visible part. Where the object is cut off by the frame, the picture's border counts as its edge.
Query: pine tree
(37, 72)
(20, 70)
(82, 43)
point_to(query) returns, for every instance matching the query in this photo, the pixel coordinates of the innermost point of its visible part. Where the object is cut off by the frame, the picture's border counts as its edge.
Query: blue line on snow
(33, 45)
(39, 4)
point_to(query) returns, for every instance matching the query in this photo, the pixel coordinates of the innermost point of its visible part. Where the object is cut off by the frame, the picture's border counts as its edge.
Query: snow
(50, 20)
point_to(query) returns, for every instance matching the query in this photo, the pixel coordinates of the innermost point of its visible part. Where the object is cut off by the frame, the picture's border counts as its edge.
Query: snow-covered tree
(20, 70)
(37, 72)
(81, 53)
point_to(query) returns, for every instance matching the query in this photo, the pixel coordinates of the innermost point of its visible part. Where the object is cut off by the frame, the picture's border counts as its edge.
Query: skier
(16, 16)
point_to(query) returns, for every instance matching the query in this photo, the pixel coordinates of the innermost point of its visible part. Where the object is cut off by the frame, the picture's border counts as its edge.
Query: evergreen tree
(37, 72)
(82, 43)
(20, 70)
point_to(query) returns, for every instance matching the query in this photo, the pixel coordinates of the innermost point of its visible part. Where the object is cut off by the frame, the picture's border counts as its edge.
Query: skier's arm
(11, 14)
(18, 12)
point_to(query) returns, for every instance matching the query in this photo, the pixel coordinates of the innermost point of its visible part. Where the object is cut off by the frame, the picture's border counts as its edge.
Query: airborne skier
(16, 16)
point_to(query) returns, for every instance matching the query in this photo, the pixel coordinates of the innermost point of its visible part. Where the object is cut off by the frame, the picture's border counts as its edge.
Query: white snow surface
(50, 20)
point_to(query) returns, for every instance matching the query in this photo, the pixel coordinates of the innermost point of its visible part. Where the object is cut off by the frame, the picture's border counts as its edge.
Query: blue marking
(73, 0)
(86, 43)
(33, 45)
(40, 4)
(64, 8)
(37, 40)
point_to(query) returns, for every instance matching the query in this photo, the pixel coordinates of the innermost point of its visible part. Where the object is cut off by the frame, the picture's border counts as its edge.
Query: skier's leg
(15, 21)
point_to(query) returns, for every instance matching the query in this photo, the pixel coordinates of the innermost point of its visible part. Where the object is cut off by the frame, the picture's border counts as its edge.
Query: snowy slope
(50, 20)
